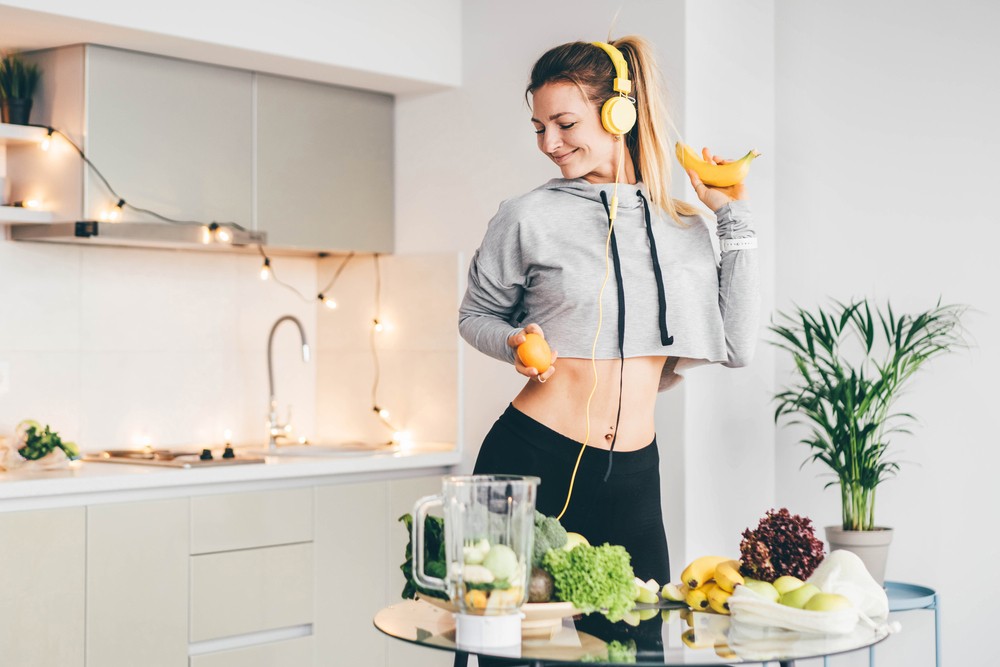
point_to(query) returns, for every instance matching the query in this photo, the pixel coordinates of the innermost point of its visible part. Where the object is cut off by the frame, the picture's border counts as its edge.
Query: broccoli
(549, 534)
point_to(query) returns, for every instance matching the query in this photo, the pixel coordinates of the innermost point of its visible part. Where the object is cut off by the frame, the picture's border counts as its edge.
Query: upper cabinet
(309, 164)
(170, 135)
(324, 166)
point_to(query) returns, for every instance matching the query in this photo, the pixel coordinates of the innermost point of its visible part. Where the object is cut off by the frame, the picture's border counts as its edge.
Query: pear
(787, 583)
(799, 597)
(764, 589)
(827, 602)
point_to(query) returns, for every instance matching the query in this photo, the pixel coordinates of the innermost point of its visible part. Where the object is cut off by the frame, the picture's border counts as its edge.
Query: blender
(489, 525)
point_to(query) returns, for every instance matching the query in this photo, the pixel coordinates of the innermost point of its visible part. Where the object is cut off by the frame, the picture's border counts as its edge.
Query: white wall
(459, 153)
(377, 44)
(887, 127)
(729, 433)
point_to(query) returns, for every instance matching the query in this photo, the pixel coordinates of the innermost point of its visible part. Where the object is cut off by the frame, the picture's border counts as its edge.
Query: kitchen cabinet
(137, 584)
(42, 561)
(169, 135)
(290, 653)
(232, 521)
(324, 166)
(353, 582)
(310, 164)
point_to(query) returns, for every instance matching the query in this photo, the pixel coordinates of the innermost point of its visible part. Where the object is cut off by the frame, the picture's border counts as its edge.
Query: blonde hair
(590, 68)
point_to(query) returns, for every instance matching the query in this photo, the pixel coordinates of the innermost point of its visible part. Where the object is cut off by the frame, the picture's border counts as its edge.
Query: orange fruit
(535, 352)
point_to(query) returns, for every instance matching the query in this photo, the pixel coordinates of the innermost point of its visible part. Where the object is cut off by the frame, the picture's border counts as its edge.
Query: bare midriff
(561, 402)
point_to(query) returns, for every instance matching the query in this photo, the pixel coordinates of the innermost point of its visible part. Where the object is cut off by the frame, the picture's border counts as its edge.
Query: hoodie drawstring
(665, 337)
(621, 330)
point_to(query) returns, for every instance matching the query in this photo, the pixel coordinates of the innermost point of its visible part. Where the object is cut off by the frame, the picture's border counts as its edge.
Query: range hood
(221, 238)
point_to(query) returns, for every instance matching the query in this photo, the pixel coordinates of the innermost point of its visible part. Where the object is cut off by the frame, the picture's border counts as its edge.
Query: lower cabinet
(359, 548)
(290, 653)
(290, 577)
(42, 570)
(137, 583)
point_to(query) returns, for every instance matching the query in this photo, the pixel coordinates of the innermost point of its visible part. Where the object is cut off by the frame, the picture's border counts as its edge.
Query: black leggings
(623, 510)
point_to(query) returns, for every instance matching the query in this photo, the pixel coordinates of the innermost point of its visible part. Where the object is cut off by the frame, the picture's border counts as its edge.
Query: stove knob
(206, 455)
(229, 453)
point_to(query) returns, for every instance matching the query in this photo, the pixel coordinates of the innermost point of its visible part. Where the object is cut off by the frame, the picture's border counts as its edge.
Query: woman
(671, 302)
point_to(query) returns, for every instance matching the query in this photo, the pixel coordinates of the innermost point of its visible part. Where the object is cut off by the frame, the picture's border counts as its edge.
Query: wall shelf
(20, 134)
(18, 214)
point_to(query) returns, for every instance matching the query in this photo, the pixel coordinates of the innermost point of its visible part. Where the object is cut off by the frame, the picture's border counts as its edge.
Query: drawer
(238, 592)
(249, 520)
(297, 652)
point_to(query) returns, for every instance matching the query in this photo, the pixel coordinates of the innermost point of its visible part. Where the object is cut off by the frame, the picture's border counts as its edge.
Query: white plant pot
(872, 546)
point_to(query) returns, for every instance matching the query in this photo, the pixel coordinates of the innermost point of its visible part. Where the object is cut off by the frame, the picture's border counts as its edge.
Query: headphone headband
(621, 84)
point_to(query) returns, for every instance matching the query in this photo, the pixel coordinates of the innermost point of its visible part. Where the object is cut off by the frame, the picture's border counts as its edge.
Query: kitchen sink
(323, 449)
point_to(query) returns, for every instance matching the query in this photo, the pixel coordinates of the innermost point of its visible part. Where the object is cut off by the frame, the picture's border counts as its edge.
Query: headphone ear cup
(618, 115)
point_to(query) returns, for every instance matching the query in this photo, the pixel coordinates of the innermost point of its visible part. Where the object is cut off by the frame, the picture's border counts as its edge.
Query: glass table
(667, 637)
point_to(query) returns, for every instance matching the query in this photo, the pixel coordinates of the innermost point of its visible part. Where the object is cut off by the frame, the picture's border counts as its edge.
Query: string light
(265, 270)
(47, 141)
(377, 326)
(328, 301)
(27, 203)
(220, 233)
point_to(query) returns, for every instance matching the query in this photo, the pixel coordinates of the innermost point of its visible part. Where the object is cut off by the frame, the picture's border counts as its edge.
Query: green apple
(827, 602)
(787, 583)
(575, 540)
(764, 589)
(672, 592)
(799, 597)
(643, 594)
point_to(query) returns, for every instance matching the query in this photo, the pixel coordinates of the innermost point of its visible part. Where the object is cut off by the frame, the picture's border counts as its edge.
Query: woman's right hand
(529, 371)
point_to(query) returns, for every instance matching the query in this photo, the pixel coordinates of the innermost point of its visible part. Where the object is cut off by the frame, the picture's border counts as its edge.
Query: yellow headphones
(618, 113)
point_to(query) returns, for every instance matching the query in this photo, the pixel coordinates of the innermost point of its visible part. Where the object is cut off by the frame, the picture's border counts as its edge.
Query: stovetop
(169, 458)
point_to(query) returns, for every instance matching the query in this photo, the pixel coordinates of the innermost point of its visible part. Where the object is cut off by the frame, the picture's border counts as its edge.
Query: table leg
(786, 663)
(937, 630)
(461, 659)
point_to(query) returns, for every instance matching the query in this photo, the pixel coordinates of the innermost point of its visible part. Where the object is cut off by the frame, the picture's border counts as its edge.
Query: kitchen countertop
(91, 482)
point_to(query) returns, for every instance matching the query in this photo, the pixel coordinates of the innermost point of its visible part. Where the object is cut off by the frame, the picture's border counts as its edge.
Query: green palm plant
(18, 79)
(850, 367)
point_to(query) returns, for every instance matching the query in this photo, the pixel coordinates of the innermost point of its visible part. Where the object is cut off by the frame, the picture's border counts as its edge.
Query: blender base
(501, 633)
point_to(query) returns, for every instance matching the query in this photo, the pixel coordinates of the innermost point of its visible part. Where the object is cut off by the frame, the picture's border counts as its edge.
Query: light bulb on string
(46, 142)
(206, 235)
(265, 270)
(327, 301)
(378, 326)
(220, 233)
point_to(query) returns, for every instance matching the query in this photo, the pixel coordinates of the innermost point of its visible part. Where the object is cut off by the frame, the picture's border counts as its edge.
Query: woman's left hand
(711, 196)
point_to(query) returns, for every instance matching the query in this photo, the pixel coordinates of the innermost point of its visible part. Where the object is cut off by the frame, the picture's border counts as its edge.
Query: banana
(701, 570)
(718, 599)
(690, 639)
(728, 576)
(717, 175)
(697, 598)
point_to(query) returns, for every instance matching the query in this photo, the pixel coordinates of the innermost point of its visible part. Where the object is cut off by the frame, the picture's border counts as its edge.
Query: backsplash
(117, 348)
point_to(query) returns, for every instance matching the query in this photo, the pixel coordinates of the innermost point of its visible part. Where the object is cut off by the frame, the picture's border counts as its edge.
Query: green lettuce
(593, 578)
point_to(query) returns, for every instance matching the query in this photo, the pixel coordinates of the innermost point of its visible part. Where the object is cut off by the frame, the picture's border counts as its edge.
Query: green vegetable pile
(434, 558)
(594, 578)
(37, 441)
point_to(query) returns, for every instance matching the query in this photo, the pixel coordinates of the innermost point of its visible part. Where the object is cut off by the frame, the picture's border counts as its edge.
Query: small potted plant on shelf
(850, 366)
(18, 81)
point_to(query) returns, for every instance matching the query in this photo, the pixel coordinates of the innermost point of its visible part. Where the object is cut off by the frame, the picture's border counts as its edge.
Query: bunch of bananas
(706, 584)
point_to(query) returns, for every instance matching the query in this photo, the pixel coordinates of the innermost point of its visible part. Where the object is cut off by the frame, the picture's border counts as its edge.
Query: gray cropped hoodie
(542, 261)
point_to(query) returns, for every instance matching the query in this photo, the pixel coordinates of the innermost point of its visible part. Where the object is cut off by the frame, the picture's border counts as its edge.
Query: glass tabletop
(666, 637)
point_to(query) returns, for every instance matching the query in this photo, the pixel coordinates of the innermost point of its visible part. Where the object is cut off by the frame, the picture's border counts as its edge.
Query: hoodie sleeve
(739, 285)
(496, 286)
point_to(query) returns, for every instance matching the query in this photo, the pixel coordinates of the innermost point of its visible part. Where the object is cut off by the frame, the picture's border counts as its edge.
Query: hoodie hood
(628, 195)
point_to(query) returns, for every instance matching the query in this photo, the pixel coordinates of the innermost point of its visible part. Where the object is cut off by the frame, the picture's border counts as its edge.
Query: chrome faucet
(275, 429)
